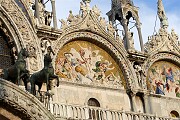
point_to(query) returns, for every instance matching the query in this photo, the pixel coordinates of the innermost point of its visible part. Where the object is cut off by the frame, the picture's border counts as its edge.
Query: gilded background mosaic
(81, 61)
(165, 78)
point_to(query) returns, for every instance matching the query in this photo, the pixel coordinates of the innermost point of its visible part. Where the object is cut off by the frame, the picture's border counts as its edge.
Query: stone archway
(162, 73)
(21, 32)
(116, 52)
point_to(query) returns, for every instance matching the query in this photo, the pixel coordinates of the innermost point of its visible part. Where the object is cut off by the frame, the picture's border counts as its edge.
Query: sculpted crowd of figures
(18, 72)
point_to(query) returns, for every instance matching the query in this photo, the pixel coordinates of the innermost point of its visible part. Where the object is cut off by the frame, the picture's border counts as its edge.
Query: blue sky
(147, 12)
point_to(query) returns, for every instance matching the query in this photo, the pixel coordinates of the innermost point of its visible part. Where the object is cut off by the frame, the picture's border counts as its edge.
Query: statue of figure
(162, 15)
(41, 12)
(174, 36)
(96, 10)
(82, 9)
(111, 29)
(140, 75)
(63, 24)
(18, 71)
(103, 22)
(48, 18)
(31, 2)
(45, 45)
(45, 75)
(31, 50)
(70, 17)
(87, 5)
(131, 40)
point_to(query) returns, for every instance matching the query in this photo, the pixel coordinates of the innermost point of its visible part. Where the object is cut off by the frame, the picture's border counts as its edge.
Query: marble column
(54, 14)
(126, 44)
(37, 10)
(140, 37)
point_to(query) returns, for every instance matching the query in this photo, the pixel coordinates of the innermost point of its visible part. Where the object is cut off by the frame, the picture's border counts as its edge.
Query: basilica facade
(87, 69)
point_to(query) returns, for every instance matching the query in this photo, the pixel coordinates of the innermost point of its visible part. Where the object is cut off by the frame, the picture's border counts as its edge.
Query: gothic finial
(162, 15)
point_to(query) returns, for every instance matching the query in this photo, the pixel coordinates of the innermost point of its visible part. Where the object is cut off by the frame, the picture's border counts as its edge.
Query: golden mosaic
(81, 61)
(165, 78)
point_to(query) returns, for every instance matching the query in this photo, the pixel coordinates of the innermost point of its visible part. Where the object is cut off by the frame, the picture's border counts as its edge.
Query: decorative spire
(86, 1)
(162, 15)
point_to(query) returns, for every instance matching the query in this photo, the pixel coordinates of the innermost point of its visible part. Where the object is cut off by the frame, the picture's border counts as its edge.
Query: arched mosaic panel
(164, 78)
(84, 62)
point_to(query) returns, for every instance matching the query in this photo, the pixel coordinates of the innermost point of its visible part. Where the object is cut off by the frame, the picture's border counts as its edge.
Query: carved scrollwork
(162, 41)
(23, 102)
(8, 6)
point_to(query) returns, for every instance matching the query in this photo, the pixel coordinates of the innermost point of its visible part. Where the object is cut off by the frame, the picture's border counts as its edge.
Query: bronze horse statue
(43, 76)
(18, 71)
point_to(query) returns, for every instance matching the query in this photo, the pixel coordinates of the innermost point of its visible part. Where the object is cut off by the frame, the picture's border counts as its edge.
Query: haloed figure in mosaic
(165, 78)
(169, 78)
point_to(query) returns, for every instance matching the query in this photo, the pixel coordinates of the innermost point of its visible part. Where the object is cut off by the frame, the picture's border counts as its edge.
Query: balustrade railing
(74, 112)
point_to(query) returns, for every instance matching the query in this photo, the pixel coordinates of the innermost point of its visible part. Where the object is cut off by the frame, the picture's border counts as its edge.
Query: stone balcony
(74, 112)
(43, 108)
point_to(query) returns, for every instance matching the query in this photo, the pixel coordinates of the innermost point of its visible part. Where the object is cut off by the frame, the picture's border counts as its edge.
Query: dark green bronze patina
(18, 71)
(43, 76)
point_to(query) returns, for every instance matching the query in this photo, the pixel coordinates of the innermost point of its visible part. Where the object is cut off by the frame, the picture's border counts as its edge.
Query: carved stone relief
(23, 102)
(24, 31)
(87, 19)
(162, 41)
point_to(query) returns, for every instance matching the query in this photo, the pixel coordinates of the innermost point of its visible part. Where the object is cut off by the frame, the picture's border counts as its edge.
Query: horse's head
(24, 52)
(47, 58)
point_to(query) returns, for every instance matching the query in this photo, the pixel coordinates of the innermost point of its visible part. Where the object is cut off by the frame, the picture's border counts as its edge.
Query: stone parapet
(74, 112)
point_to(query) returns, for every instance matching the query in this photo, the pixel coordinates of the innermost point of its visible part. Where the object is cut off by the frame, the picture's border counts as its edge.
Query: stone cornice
(48, 32)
